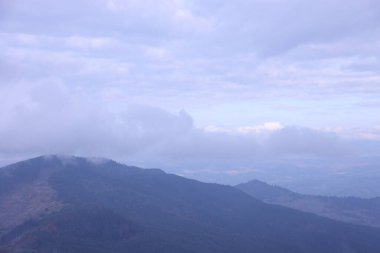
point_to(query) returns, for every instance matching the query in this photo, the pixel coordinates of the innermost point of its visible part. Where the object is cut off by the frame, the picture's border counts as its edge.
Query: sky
(210, 89)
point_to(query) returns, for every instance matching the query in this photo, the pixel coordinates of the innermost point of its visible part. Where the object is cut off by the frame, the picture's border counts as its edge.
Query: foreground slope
(348, 209)
(55, 204)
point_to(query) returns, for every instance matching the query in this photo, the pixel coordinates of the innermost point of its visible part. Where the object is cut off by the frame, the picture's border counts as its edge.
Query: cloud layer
(53, 118)
(223, 50)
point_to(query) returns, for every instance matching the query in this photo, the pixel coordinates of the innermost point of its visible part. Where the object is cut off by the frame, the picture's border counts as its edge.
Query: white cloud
(266, 127)
(240, 171)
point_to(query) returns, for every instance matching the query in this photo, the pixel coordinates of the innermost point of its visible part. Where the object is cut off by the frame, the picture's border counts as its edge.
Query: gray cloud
(192, 46)
(304, 141)
(52, 118)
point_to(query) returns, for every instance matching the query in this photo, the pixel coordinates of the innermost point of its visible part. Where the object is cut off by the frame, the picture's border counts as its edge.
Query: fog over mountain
(213, 93)
(284, 91)
(52, 119)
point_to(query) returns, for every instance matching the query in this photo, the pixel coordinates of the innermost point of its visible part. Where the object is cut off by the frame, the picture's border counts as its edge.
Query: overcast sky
(190, 84)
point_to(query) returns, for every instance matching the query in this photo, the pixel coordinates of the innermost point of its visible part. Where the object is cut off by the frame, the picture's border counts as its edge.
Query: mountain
(348, 209)
(72, 204)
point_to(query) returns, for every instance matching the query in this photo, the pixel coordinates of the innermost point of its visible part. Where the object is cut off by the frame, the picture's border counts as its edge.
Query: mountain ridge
(111, 207)
(362, 211)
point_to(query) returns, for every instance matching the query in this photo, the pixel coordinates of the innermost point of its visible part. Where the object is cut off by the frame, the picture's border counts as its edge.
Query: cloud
(141, 80)
(303, 141)
(53, 118)
(224, 50)
(266, 127)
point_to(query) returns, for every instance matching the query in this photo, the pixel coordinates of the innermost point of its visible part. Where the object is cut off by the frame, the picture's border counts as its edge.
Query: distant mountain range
(78, 205)
(348, 209)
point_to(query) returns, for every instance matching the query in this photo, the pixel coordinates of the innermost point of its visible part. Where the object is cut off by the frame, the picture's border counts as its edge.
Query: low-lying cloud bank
(52, 118)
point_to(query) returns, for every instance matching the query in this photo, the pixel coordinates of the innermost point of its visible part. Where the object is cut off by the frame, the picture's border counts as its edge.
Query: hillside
(348, 209)
(72, 204)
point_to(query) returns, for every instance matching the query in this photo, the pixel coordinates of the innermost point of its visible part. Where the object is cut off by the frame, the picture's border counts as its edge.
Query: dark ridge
(110, 207)
(348, 209)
